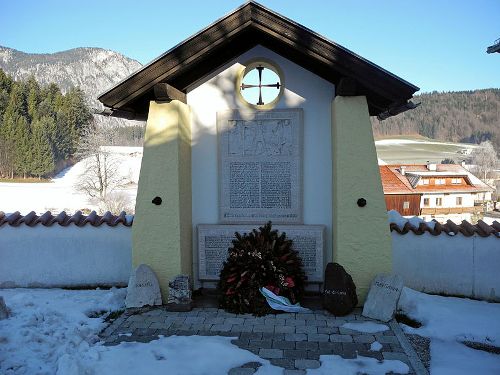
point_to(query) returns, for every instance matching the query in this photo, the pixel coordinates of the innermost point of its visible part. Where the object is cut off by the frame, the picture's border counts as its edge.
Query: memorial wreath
(261, 258)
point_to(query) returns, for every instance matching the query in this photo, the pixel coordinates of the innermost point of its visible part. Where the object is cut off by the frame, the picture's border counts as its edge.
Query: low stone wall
(64, 256)
(452, 265)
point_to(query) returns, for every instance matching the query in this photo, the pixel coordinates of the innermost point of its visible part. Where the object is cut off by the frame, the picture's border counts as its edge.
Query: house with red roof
(434, 191)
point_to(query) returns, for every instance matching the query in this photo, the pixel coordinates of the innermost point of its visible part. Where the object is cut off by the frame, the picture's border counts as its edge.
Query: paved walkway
(292, 341)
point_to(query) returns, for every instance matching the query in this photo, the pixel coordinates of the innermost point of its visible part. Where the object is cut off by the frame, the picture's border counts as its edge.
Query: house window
(425, 181)
(426, 202)
(439, 201)
(456, 181)
(459, 201)
(406, 205)
(440, 181)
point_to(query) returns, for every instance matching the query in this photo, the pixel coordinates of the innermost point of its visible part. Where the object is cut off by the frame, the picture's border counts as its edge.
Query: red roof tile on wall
(450, 228)
(47, 219)
(80, 220)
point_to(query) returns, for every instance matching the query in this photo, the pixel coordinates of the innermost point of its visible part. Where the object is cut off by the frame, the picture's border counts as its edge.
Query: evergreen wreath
(261, 258)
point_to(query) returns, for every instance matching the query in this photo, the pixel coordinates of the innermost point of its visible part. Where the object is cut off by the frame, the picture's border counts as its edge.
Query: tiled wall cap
(450, 228)
(47, 219)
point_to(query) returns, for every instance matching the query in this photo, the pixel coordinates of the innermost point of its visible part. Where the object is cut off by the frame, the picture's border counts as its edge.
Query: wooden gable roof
(252, 24)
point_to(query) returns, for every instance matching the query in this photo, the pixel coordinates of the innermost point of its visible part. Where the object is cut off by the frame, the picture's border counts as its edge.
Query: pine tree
(42, 162)
(22, 147)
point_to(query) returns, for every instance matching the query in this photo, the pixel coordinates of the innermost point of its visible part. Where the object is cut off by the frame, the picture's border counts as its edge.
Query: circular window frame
(249, 66)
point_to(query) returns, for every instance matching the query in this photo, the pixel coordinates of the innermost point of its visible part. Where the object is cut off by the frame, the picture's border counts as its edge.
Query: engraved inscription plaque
(260, 166)
(215, 240)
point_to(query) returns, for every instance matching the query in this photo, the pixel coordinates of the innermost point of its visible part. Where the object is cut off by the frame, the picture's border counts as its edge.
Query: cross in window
(260, 85)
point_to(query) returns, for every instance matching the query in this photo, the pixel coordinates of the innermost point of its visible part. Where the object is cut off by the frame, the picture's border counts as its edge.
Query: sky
(435, 44)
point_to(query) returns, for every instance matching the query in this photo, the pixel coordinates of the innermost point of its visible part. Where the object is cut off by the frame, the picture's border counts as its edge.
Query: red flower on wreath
(289, 282)
(273, 289)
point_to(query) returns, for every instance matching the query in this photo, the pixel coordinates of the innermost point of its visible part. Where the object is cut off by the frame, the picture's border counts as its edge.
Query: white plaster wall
(303, 89)
(487, 267)
(455, 265)
(64, 256)
(449, 200)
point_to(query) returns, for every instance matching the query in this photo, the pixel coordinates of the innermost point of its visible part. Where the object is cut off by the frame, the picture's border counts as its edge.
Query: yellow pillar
(161, 234)
(361, 236)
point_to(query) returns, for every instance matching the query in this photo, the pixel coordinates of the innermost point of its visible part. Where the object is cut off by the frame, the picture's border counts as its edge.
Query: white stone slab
(260, 166)
(215, 240)
(383, 297)
(143, 288)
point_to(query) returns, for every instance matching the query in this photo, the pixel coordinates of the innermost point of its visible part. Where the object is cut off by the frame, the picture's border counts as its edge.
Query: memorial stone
(4, 310)
(143, 288)
(383, 297)
(215, 240)
(339, 293)
(260, 166)
(179, 294)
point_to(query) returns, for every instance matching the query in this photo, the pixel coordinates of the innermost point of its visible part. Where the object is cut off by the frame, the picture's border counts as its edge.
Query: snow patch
(50, 324)
(375, 346)
(335, 364)
(396, 218)
(447, 321)
(167, 355)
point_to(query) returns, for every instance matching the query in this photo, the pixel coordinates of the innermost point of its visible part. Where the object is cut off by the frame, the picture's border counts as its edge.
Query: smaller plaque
(383, 297)
(215, 240)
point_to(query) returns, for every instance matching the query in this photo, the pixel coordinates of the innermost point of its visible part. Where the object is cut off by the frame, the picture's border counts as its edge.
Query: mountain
(94, 70)
(460, 116)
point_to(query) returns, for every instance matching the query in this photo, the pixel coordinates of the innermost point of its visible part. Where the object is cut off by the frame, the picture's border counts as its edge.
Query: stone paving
(292, 341)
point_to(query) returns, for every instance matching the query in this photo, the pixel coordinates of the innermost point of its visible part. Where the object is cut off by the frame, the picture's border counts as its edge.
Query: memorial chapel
(257, 118)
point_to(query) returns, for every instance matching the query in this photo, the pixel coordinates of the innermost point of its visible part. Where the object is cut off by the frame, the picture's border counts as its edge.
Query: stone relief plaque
(215, 240)
(260, 166)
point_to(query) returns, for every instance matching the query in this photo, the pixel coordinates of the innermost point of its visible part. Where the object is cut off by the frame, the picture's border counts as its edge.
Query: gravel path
(421, 345)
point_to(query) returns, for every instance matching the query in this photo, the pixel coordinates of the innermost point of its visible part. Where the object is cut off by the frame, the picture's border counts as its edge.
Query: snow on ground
(60, 194)
(48, 324)
(50, 332)
(422, 141)
(447, 321)
(366, 327)
(336, 365)
(175, 355)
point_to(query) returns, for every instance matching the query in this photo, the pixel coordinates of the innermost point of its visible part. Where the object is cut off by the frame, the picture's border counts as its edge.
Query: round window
(260, 84)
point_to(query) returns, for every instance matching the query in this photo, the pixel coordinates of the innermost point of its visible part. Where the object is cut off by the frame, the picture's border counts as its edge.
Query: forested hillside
(462, 116)
(39, 126)
(93, 70)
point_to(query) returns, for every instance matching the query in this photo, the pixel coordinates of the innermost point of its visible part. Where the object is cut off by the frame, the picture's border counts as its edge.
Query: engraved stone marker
(260, 166)
(179, 294)
(339, 293)
(215, 240)
(143, 288)
(383, 297)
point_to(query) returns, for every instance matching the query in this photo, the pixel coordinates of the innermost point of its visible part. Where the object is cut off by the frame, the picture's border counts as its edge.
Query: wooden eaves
(186, 64)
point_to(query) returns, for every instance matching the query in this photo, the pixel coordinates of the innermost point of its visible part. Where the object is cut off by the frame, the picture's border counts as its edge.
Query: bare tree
(101, 175)
(484, 160)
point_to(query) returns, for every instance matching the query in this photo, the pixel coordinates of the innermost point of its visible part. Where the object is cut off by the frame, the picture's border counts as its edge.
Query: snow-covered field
(61, 194)
(449, 321)
(50, 332)
(418, 151)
